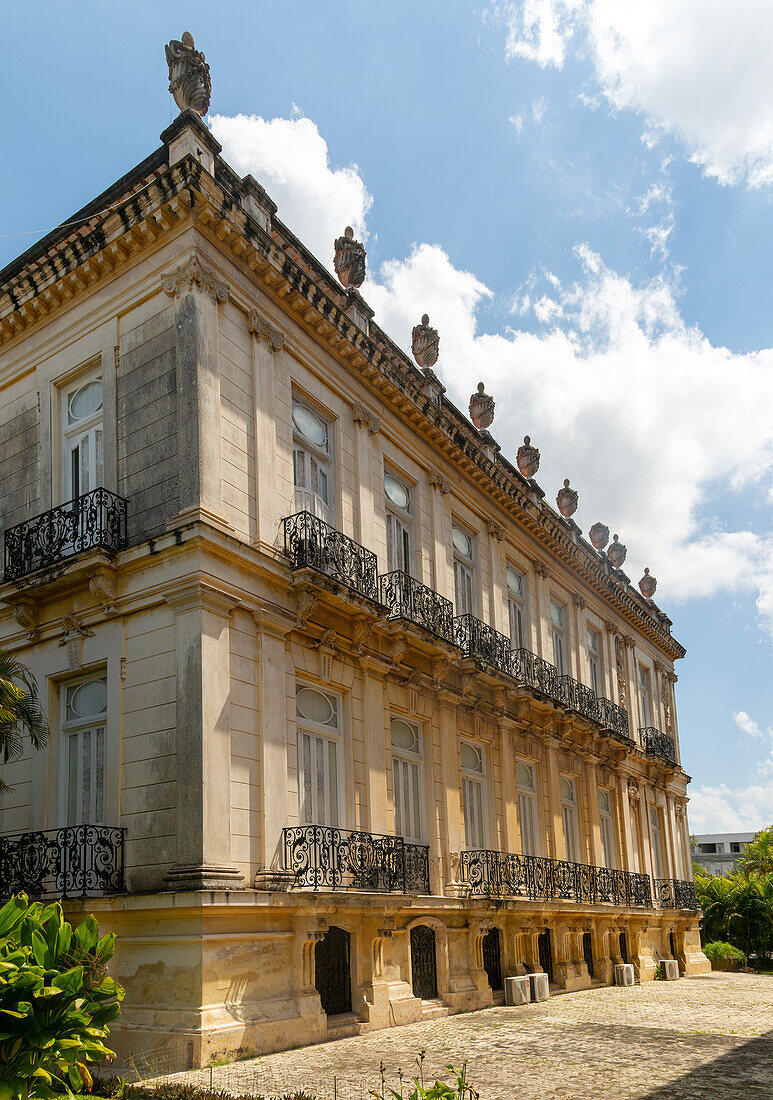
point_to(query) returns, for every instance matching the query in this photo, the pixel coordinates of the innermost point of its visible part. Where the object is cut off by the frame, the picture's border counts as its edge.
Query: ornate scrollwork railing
(500, 874)
(580, 698)
(322, 857)
(656, 743)
(478, 639)
(75, 861)
(536, 673)
(310, 543)
(96, 520)
(615, 719)
(407, 598)
(674, 893)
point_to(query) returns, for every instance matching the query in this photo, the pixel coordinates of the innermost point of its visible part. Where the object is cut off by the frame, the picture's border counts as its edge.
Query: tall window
(558, 630)
(516, 604)
(320, 756)
(644, 696)
(406, 774)
(527, 807)
(569, 813)
(399, 523)
(312, 465)
(464, 571)
(594, 661)
(657, 842)
(473, 794)
(83, 459)
(83, 738)
(607, 828)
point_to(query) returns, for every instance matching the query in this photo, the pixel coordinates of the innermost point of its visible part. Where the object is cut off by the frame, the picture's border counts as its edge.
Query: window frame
(70, 728)
(465, 566)
(405, 517)
(480, 780)
(323, 456)
(337, 735)
(72, 436)
(558, 633)
(595, 660)
(572, 808)
(531, 795)
(516, 607)
(645, 696)
(413, 759)
(608, 816)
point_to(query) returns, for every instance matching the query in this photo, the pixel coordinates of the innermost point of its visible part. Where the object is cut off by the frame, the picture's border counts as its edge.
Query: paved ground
(709, 1037)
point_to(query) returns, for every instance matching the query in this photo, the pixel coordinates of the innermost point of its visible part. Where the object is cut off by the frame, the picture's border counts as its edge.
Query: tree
(757, 857)
(55, 1000)
(20, 710)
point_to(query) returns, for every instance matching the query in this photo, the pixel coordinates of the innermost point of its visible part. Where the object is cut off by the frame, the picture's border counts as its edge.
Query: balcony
(580, 698)
(72, 862)
(408, 599)
(322, 857)
(672, 893)
(310, 543)
(615, 719)
(537, 674)
(502, 875)
(477, 639)
(659, 744)
(94, 521)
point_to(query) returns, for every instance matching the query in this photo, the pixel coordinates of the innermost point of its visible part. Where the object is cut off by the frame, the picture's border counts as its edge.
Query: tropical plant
(20, 710)
(723, 956)
(757, 857)
(737, 909)
(56, 999)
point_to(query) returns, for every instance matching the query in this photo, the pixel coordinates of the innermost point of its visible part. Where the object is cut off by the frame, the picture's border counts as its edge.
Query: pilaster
(267, 347)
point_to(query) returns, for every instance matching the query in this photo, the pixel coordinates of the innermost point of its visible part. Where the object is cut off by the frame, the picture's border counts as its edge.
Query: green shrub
(55, 1000)
(660, 973)
(723, 956)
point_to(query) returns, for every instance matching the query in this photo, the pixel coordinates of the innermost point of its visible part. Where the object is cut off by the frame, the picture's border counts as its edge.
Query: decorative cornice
(194, 272)
(258, 325)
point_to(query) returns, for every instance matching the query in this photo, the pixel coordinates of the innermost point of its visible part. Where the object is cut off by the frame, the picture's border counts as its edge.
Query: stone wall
(19, 451)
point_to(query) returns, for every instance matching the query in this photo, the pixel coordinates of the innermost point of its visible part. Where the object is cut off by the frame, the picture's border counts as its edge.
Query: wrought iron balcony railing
(615, 719)
(407, 598)
(500, 874)
(75, 861)
(674, 893)
(536, 674)
(580, 698)
(322, 857)
(96, 520)
(478, 639)
(656, 743)
(310, 543)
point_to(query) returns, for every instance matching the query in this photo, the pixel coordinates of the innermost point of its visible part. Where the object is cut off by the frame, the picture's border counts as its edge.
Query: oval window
(88, 698)
(310, 425)
(514, 581)
(525, 775)
(472, 761)
(462, 542)
(86, 400)
(404, 736)
(314, 706)
(397, 492)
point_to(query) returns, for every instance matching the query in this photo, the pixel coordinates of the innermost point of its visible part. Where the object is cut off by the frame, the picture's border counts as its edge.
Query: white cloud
(516, 121)
(726, 809)
(698, 70)
(747, 725)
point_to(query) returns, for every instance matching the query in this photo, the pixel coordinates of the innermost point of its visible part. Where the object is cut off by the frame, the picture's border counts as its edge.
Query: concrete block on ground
(517, 990)
(624, 974)
(539, 986)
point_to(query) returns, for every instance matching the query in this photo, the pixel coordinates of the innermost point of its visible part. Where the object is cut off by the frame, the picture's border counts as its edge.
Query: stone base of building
(231, 974)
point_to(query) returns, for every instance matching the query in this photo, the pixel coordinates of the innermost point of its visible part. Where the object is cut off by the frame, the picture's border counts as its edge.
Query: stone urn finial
(617, 552)
(647, 585)
(527, 459)
(481, 409)
(599, 536)
(425, 343)
(349, 260)
(189, 79)
(567, 500)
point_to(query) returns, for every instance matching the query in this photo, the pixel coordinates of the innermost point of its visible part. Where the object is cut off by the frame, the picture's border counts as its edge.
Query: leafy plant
(463, 1090)
(723, 956)
(660, 973)
(757, 857)
(738, 909)
(56, 1000)
(20, 710)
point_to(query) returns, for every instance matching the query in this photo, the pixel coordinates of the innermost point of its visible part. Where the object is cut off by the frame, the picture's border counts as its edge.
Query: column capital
(274, 621)
(194, 272)
(195, 594)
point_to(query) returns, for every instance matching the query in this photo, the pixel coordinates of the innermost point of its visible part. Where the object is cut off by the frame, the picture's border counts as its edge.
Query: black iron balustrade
(74, 861)
(323, 857)
(409, 599)
(502, 875)
(478, 639)
(310, 543)
(580, 698)
(615, 719)
(536, 673)
(674, 893)
(96, 520)
(656, 743)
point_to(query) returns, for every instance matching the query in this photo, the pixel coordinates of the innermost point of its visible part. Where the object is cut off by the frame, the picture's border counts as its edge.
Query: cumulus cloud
(746, 724)
(694, 69)
(726, 809)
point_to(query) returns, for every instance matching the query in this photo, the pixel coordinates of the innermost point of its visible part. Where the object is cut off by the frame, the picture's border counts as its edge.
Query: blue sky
(577, 191)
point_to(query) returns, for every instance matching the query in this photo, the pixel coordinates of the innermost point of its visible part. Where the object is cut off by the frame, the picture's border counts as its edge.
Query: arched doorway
(492, 960)
(423, 962)
(623, 947)
(672, 944)
(587, 951)
(332, 973)
(545, 953)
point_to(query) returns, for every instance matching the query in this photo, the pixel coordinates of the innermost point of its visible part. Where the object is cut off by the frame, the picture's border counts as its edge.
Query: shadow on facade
(745, 1071)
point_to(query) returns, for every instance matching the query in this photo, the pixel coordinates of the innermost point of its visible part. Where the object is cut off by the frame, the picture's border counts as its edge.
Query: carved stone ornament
(599, 536)
(647, 585)
(437, 481)
(349, 260)
(365, 418)
(264, 331)
(25, 613)
(633, 791)
(665, 698)
(617, 552)
(567, 500)
(495, 530)
(527, 458)
(102, 588)
(189, 79)
(679, 809)
(194, 273)
(481, 409)
(74, 633)
(425, 343)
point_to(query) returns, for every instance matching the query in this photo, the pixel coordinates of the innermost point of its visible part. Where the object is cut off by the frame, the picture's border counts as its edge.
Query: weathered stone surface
(189, 79)
(19, 451)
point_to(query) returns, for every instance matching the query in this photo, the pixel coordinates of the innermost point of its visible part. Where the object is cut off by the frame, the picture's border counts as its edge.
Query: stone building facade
(347, 722)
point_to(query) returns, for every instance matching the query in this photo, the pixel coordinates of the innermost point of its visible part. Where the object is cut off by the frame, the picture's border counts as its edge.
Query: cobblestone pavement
(705, 1037)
